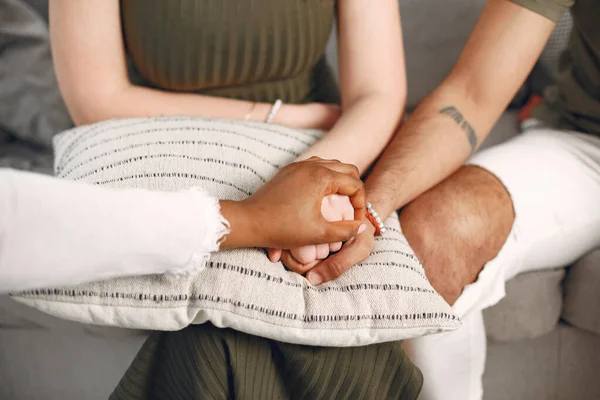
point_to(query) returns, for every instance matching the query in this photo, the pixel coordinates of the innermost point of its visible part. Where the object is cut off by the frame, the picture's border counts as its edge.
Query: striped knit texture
(203, 362)
(252, 49)
(385, 298)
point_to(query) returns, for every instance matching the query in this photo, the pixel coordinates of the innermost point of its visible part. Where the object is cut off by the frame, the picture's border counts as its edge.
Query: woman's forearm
(362, 132)
(132, 101)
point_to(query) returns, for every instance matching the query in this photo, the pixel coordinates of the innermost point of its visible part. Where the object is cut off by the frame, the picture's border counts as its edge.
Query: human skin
(455, 217)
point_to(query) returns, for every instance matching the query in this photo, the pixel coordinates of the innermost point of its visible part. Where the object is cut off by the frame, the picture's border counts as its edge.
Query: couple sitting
(239, 59)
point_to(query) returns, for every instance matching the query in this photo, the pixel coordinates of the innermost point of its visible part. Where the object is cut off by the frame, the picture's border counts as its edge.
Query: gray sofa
(544, 337)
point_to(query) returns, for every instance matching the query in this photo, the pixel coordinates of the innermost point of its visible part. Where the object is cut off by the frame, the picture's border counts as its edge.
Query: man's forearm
(444, 130)
(435, 140)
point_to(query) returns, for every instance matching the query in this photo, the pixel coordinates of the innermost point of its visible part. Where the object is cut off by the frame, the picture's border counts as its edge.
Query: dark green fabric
(574, 103)
(551, 9)
(204, 362)
(258, 50)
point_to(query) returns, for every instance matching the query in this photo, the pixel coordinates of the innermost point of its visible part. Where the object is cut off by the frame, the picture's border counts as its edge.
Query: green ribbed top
(256, 50)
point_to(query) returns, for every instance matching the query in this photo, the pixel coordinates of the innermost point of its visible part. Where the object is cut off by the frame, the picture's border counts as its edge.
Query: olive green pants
(204, 362)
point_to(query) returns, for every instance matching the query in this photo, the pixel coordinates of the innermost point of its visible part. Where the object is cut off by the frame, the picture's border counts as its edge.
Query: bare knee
(457, 226)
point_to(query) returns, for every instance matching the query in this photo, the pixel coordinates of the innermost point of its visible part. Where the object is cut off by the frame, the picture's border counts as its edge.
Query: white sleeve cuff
(214, 228)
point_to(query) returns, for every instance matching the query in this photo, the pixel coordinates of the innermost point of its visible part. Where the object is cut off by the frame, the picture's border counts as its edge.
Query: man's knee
(457, 226)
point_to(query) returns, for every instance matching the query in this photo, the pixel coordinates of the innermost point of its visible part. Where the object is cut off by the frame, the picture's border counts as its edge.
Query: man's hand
(286, 211)
(355, 251)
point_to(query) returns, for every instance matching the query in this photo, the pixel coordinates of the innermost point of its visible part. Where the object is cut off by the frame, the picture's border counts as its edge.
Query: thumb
(342, 231)
(354, 251)
(333, 267)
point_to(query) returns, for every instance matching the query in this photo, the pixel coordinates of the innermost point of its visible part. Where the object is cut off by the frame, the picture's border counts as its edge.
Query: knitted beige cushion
(385, 298)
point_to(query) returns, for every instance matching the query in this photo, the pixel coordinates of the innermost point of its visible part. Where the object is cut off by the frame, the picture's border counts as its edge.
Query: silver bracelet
(380, 228)
(276, 106)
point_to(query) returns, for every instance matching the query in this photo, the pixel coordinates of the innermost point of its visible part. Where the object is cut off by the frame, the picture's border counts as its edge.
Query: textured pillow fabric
(385, 298)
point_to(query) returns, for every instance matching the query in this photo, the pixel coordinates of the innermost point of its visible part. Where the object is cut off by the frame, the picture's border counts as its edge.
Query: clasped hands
(306, 202)
(326, 261)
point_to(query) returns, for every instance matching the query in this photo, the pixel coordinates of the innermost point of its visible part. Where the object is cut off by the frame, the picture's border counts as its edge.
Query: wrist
(383, 204)
(260, 112)
(286, 115)
(242, 232)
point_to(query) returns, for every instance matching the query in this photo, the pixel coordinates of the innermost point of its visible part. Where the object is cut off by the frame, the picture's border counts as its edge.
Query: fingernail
(362, 228)
(314, 278)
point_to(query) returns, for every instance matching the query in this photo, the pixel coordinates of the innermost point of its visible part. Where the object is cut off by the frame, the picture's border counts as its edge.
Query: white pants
(553, 178)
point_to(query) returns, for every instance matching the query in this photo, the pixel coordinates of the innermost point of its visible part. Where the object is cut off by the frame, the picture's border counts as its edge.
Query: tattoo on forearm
(460, 120)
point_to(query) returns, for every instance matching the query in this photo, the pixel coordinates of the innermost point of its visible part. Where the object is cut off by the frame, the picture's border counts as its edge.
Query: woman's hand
(334, 208)
(286, 212)
(308, 116)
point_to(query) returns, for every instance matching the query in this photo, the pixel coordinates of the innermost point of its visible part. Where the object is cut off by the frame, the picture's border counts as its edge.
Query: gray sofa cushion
(582, 293)
(531, 308)
(435, 33)
(523, 370)
(579, 359)
(62, 365)
(562, 365)
(40, 6)
(24, 156)
(31, 107)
